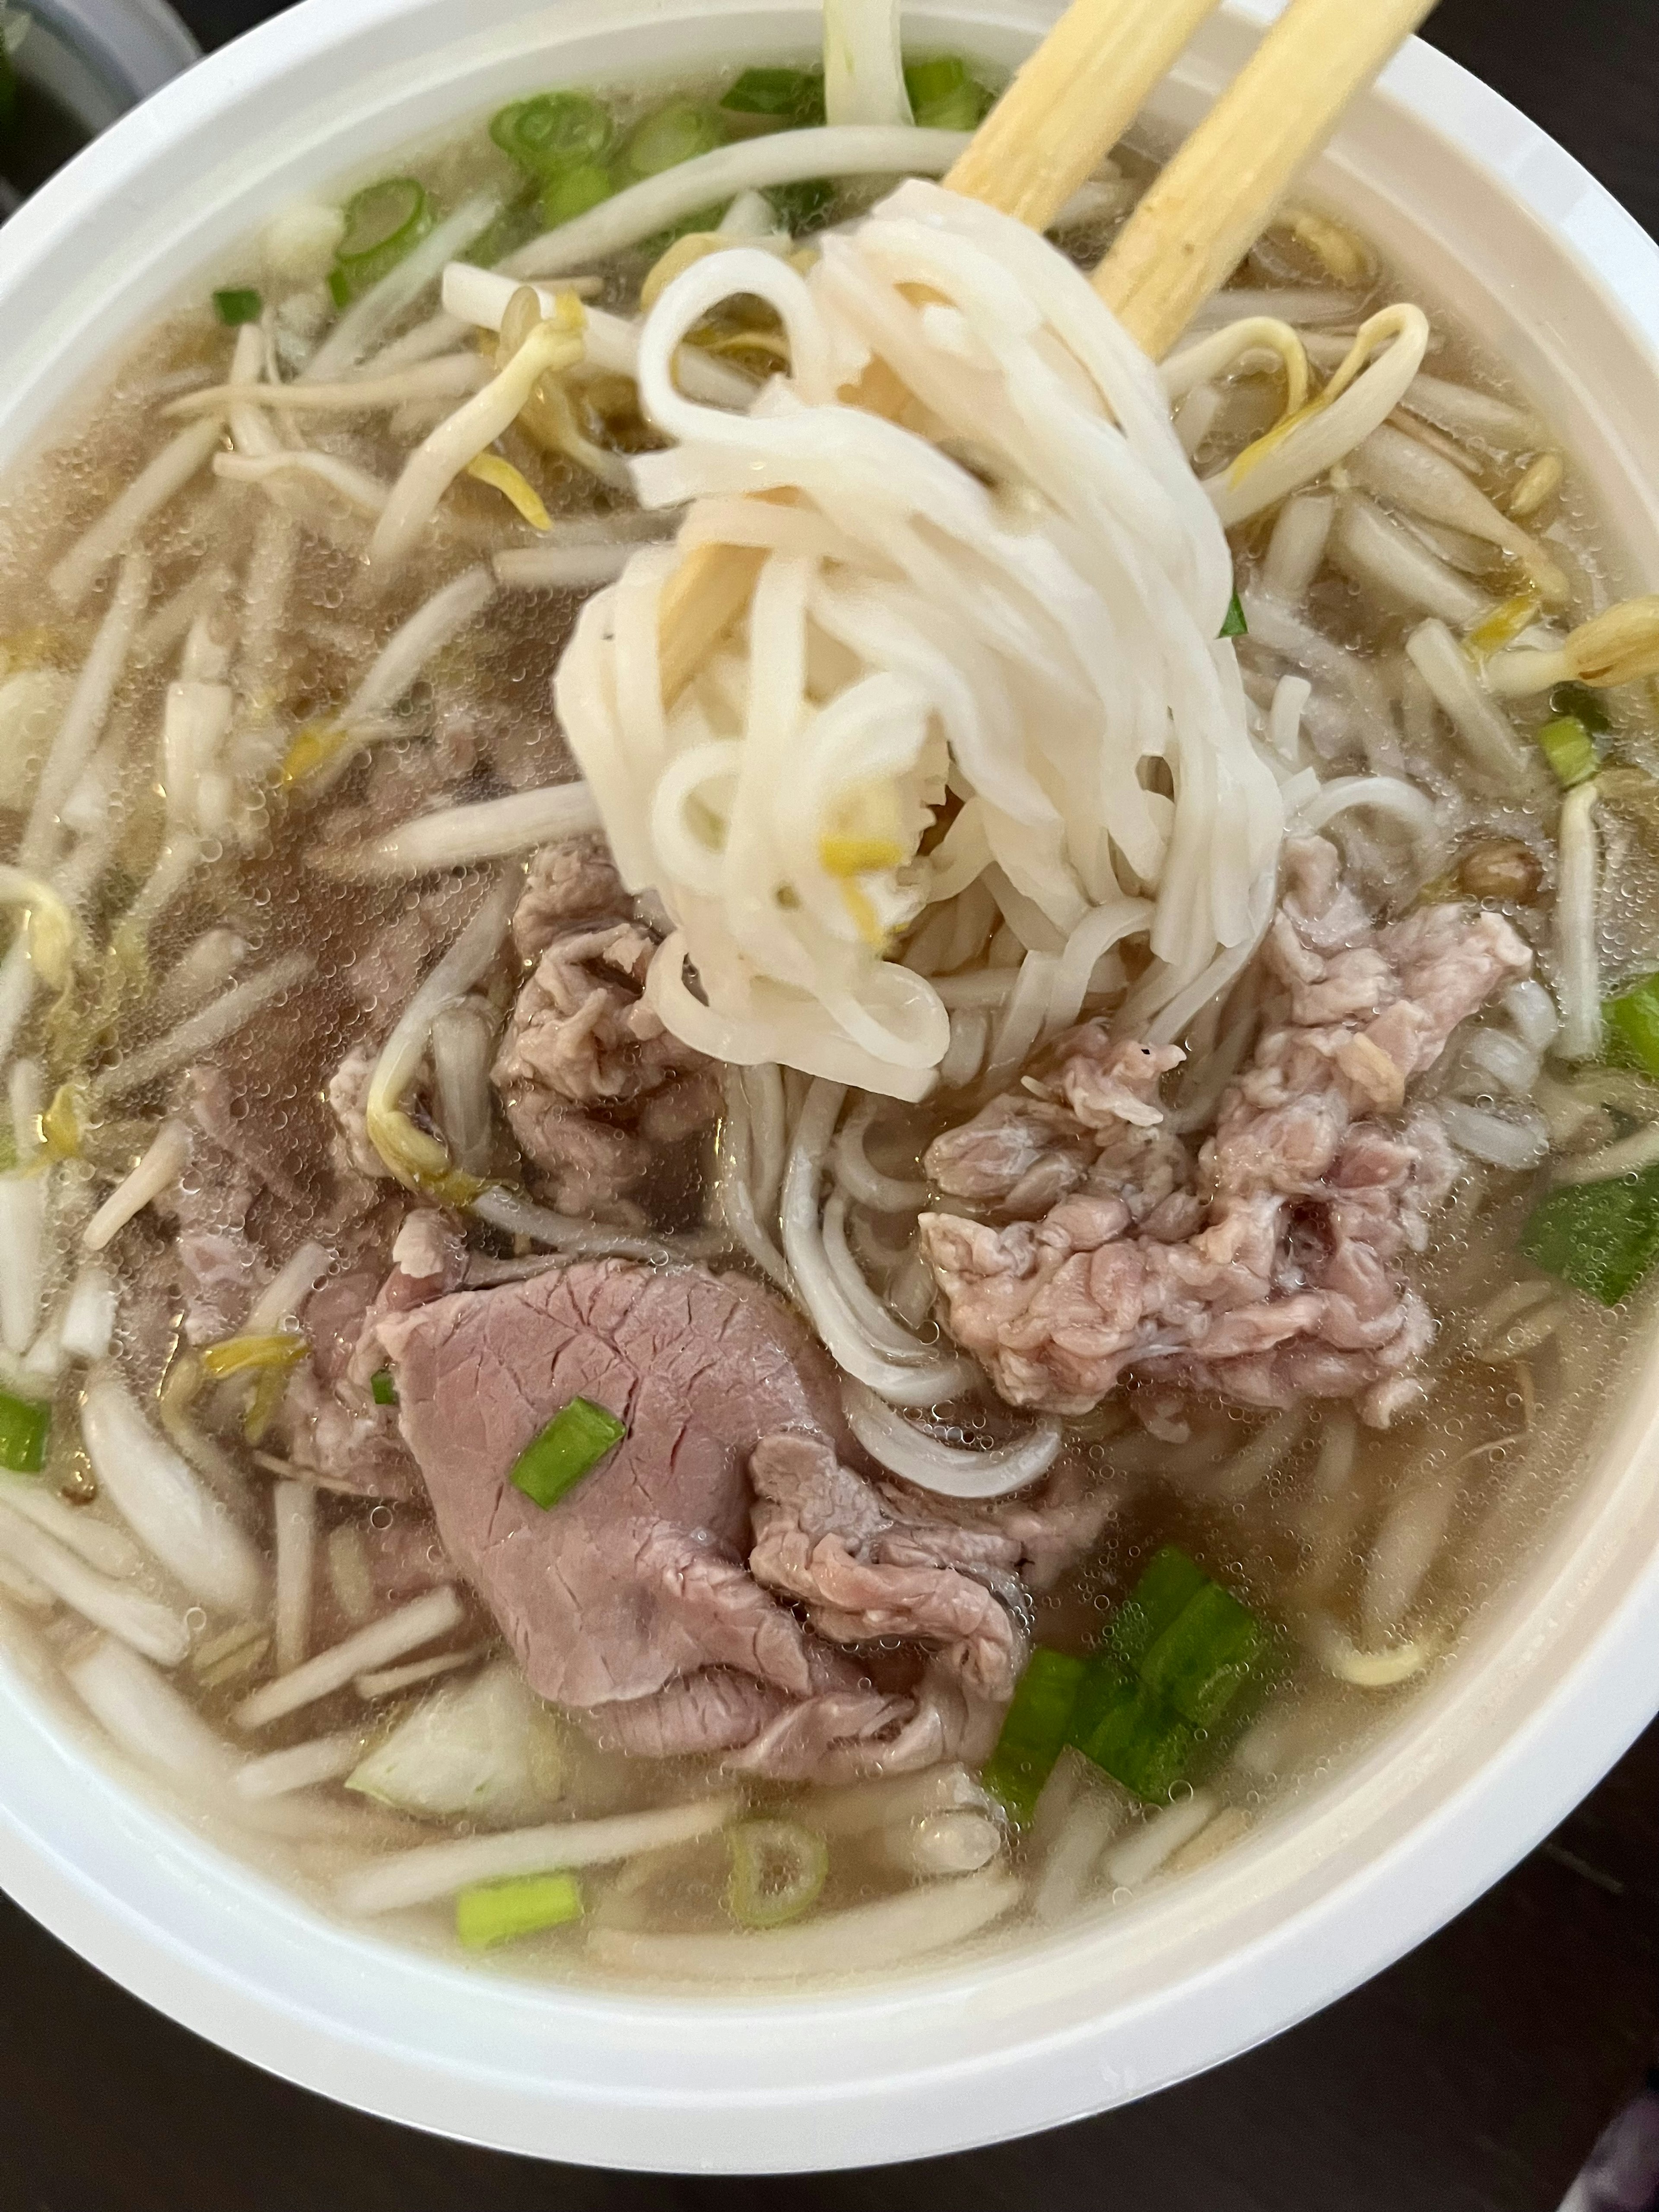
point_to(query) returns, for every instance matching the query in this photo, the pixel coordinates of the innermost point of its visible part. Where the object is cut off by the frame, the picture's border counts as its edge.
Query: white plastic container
(1547, 1691)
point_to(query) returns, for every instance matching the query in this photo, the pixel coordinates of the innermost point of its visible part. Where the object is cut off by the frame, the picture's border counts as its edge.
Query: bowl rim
(166, 1915)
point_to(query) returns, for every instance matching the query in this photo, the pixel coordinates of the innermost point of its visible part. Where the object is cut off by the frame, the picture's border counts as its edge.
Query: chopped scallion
(1034, 1730)
(778, 1871)
(571, 1445)
(1235, 625)
(25, 1425)
(945, 95)
(1166, 1690)
(1570, 750)
(382, 1388)
(384, 222)
(1602, 1237)
(238, 306)
(1631, 1026)
(554, 133)
(1584, 706)
(564, 198)
(492, 1912)
(794, 97)
(669, 135)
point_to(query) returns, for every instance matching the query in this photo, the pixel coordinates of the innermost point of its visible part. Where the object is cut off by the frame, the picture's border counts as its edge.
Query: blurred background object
(68, 68)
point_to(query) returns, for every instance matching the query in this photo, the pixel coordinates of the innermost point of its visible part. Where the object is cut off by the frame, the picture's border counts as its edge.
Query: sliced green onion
(1235, 625)
(565, 198)
(553, 132)
(1169, 1584)
(803, 206)
(1631, 1025)
(571, 1445)
(237, 307)
(384, 222)
(492, 1912)
(25, 1425)
(1584, 705)
(1602, 1237)
(1180, 1657)
(944, 96)
(1034, 1730)
(1570, 750)
(382, 1388)
(669, 136)
(794, 97)
(778, 1871)
(1205, 1656)
(1137, 1739)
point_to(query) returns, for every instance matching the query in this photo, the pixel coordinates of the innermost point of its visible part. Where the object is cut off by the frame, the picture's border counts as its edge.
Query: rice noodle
(865, 1182)
(922, 1375)
(1055, 657)
(573, 1236)
(609, 342)
(121, 521)
(1413, 809)
(947, 1470)
(157, 1171)
(860, 1938)
(162, 1501)
(1628, 1157)
(221, 1018)
(421, 1621)
(456, 837)
(381, 305)
(436, 1870)
(143, 1623)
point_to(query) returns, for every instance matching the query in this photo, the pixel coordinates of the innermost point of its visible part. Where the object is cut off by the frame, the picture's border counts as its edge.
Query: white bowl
(1547, 1691)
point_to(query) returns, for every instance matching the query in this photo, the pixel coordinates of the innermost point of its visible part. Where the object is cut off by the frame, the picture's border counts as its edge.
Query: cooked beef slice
(329, 1423)
(1268, 1267)
(589, 1076)
(644, 1594)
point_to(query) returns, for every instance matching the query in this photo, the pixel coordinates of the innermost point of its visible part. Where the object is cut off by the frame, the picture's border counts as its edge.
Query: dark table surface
(1471, 2077)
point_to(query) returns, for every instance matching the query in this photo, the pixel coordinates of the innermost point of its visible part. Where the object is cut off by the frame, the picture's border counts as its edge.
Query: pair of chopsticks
(1069, 105)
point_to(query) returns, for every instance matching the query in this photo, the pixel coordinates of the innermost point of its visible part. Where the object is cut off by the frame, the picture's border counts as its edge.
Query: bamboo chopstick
(1072, 101)
(1069, 104)
(1208, 207)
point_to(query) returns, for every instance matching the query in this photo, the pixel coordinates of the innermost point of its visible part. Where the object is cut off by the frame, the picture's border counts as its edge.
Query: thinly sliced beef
(590, 1077)
(329, 1423)
(645, 1595)
(1269, 1267)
